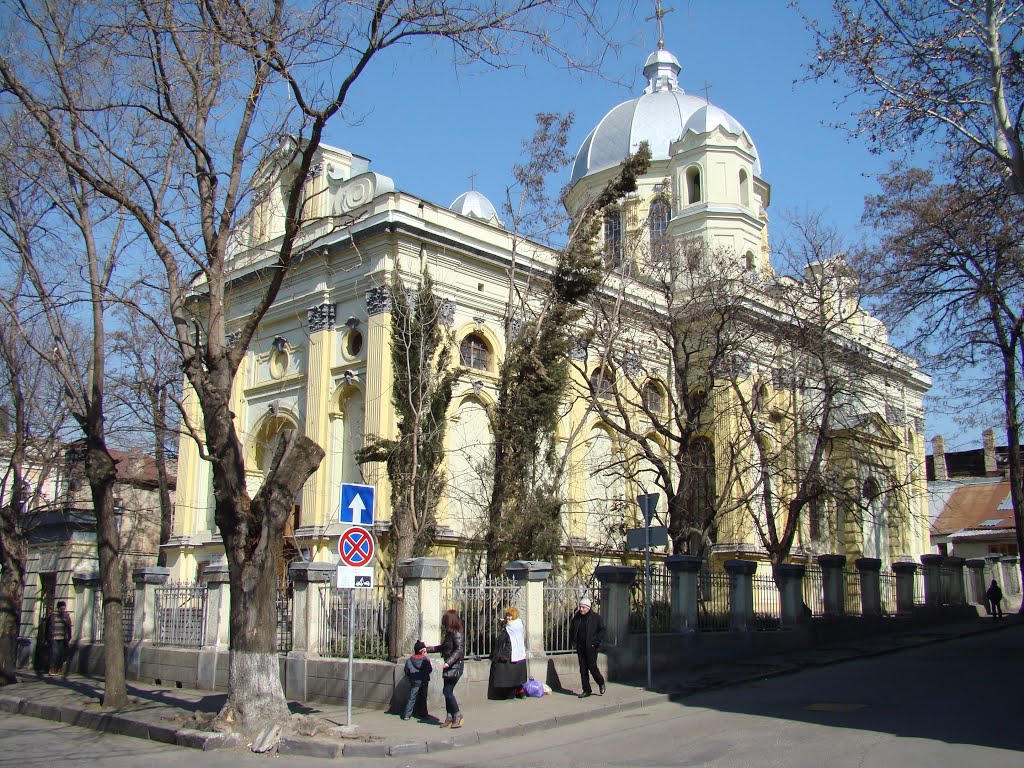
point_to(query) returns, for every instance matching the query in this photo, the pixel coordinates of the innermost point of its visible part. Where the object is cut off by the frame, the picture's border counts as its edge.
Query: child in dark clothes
(417, 669)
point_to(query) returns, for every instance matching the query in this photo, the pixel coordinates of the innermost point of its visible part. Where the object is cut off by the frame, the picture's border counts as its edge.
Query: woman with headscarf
(508, 659)
(452, 653)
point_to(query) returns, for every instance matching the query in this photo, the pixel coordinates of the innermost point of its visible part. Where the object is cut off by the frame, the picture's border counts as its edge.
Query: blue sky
(429, 127)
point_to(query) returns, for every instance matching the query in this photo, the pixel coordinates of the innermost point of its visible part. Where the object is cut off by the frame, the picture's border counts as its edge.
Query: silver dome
(476, 206)
(660, 116)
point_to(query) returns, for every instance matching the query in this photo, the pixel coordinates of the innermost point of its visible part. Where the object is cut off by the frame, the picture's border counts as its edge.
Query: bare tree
(33, 416)
(951, 253)
(923, 70)
(59, 233)
(669, 340)
(824, 458)
(188, 100)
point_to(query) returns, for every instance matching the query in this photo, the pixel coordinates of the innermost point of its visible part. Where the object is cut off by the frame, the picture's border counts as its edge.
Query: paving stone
(126, 726)
(187, 737)
(440, 746)
(9, 704)
(162, 733)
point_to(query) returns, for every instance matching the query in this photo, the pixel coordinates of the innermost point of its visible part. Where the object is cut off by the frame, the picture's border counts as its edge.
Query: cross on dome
(659, 14)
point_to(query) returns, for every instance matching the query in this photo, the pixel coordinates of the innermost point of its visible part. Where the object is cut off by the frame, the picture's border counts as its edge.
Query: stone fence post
(421, 605)
(87, 587)
(144, 629)
(218, 615)
(833, 584)
(741, 593)
(307, 609)
(615, 583)
(790, 580)
(870, 585)
(1011, 584)
(953, 578)
(685, 574)
(531, 576)
(976, 582)
(904, 587)
(932, 580)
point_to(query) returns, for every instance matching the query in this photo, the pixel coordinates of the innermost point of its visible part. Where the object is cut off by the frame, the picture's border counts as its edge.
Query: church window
(474, 353)
(658, 224)
(613, 237)
(602, 384)
(654, 401)
(693, 190)
(744, 189)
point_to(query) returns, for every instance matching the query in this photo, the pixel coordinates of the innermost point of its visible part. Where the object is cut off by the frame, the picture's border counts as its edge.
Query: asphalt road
(949, 704)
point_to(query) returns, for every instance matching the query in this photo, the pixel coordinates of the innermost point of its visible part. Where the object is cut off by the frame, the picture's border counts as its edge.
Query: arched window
(875, 526)
(744, 189)
(658, 217)
(613, 237)
(654, 400)
(699, 467)
(602, 384)
(693, 190)
(474, 353)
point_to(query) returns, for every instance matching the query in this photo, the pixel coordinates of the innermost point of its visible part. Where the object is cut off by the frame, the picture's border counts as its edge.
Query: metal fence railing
(370, 622)
(852, 604)
(561, 600)
(767, 603)
(661, 600)
(887, 589)
(127, 614)
(919, 588)
(285, 605)
(180, 615)
(481, 605)
(713, 600)
(814, 591)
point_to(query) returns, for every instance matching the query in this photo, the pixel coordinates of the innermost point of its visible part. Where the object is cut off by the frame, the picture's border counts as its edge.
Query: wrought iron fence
(887, 589)
(661, 601)
(181, 615)
(285, 604)
(481, 605)
(127, 613)
(561, 598)
(919, 588)
(712, 600)
(814, 590)
(852, 604)
(767, 603)
(369, 621)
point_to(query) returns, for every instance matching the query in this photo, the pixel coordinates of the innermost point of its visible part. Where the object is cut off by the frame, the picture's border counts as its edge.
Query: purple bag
(533, 688)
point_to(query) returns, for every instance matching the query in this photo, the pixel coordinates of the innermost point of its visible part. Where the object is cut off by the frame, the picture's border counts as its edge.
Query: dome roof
(476, 206)
(662, 115)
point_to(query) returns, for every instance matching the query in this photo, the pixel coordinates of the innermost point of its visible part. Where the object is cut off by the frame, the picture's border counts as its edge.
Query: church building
(321, 361)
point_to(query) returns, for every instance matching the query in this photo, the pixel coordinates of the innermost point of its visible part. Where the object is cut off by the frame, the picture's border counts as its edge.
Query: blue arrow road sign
(356, 504)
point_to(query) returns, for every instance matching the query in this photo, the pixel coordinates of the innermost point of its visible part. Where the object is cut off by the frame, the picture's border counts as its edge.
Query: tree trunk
(102, 473)
(13, 555)
(158, 403)
(253, 534)
(1014, 457)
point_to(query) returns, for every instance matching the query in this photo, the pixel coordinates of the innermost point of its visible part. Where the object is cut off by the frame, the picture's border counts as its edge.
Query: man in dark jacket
(587, 631)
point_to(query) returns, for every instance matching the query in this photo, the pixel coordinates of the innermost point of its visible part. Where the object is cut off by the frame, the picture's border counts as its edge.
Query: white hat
(585, 602)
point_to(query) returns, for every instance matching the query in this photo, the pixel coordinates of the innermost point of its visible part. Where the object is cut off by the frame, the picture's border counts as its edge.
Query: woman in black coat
(452, 652)
(508, 659)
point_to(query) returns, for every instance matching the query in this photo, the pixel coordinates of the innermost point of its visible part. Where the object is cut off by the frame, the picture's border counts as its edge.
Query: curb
(122, 725)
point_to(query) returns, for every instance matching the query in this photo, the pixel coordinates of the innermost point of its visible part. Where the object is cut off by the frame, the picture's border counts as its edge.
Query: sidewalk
(180, 716)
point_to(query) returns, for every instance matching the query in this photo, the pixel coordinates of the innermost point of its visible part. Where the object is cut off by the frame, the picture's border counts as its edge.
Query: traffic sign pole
(351, 653)
(648, 504)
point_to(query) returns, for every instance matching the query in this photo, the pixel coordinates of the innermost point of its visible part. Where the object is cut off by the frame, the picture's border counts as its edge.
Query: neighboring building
(320, 361)
(62, 541)
(969, 500)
